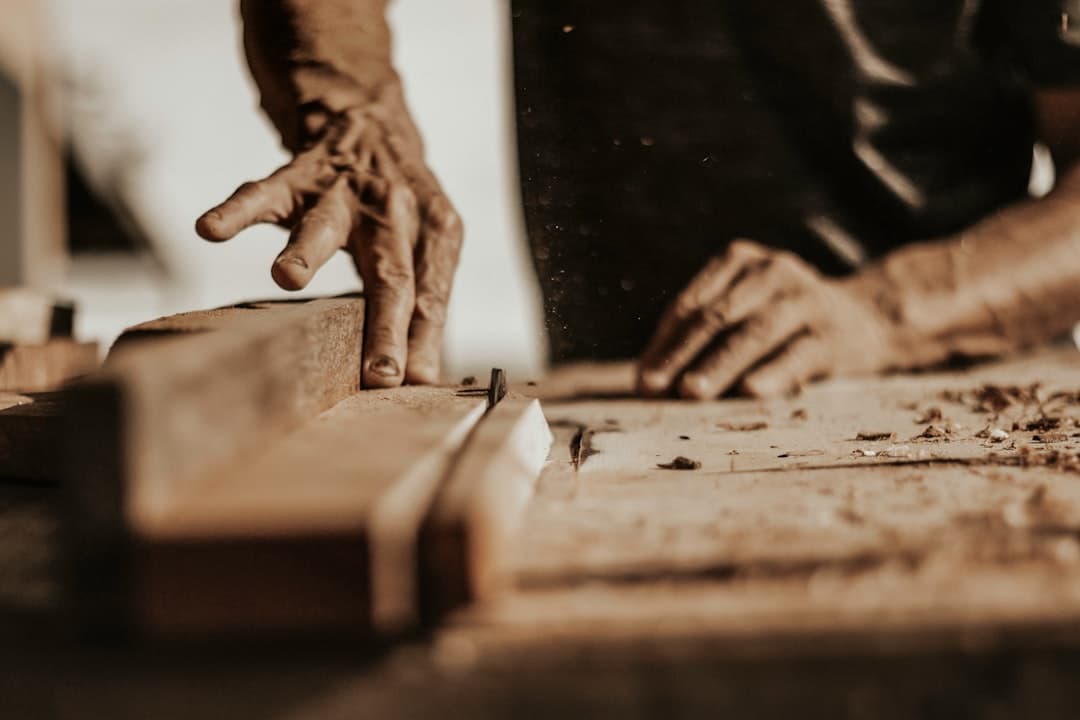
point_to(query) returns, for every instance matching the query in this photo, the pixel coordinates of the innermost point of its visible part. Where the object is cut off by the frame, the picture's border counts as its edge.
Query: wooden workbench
(831, 556)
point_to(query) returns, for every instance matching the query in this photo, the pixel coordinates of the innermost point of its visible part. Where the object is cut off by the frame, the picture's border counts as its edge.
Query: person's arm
(767, 322)
(358, 180)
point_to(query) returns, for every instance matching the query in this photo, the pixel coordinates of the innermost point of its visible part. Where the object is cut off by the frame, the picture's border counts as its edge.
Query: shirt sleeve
(1039, 39)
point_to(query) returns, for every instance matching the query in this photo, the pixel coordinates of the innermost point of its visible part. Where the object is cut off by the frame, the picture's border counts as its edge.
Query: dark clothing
(653, 133)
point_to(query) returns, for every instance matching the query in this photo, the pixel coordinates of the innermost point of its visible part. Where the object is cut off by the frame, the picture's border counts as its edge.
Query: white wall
(164, 118)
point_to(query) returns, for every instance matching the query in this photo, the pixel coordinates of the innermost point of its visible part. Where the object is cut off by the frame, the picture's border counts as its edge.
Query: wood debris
(680, 463)
(743, 427)
(873, 436)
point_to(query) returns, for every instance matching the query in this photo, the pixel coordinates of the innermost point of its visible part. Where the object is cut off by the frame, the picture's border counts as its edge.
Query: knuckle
(432, 309)
(744, 249)
(695, 386)
(685, 306)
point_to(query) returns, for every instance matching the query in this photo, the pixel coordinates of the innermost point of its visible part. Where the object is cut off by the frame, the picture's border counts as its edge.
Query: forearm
(1009, 281)
(314, 58)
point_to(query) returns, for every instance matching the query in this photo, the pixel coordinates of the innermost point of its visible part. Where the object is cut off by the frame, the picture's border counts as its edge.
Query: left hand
(767, 321)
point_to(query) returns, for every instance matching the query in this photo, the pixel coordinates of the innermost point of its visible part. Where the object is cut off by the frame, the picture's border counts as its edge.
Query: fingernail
(385, 366)
(293, 260)
(654, 380)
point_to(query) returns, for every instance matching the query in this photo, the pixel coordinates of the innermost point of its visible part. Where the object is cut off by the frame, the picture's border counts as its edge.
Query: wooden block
(29, 317)
(169, 409)
(30, 429)
(468, 535)
(319, 533)
(39, 368)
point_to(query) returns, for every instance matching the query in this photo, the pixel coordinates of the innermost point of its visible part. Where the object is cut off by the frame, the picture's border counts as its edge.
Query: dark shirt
(651, 134)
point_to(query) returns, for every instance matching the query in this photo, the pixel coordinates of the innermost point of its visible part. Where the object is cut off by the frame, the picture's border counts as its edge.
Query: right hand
(360, 184)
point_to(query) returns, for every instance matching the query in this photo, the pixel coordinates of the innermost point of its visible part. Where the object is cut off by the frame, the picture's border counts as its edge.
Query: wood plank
(40, 368)
(30, 435)
(467, 537)
(317, 533)
(170, 408)
(953, 526)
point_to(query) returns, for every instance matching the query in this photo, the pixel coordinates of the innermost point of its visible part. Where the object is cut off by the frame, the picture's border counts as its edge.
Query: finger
(803, 360)
(385, 260)
(756, 338)
(754, 287)
(322, 231)
(662, 359)
(272, 199)
(437, 257)
(720, 272)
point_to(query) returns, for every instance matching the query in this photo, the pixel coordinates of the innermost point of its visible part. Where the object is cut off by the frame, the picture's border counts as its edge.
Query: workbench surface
(873, 547)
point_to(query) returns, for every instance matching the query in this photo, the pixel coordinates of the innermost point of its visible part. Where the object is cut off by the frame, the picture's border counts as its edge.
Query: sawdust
(680, 463)
(743, 427)
(930, 415)
(874, 436)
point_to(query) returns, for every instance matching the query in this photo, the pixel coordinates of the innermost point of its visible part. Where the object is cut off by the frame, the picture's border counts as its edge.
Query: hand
(360, 184)
(768, 321)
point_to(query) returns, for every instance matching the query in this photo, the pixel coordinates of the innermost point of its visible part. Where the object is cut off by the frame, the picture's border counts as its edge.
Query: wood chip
(868, 436)
(743, 427)
(680, 463)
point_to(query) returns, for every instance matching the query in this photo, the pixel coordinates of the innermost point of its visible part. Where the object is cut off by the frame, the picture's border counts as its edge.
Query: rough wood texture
(172, 407)
(39, 368)
(791, 527)
(318, 533)
(468, 534)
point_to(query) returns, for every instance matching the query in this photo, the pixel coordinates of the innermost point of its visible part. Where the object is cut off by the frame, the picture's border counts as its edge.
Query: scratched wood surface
(837, 583)
(832, 511)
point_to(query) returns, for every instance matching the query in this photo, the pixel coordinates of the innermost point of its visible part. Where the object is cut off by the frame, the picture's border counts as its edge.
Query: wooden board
(789, 524)
(317, 533)
(39, 368)
(30, 317)
(170, 408)
(468, 536)
(30, 437)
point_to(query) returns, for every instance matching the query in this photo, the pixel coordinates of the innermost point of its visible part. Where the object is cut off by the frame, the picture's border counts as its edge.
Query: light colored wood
(40, 368)
(354, 484)
(469, 533)
(193, 402)
(170, 409)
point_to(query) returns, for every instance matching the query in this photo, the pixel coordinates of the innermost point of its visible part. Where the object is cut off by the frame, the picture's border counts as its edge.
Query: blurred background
(123, 120)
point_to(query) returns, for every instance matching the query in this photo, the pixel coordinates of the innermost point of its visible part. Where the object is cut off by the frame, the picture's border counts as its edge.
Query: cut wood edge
(468, 535)
(163, 414)
(396, 529)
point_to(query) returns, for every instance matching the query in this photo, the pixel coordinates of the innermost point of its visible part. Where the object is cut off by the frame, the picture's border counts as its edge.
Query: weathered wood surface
(643, 591)
(317, 533)
(183, 397)
(791, 528)
(184, 400)
(40, 368)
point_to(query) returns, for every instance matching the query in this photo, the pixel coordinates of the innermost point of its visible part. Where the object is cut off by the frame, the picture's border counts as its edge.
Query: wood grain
(335, 506)
(171, 408)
